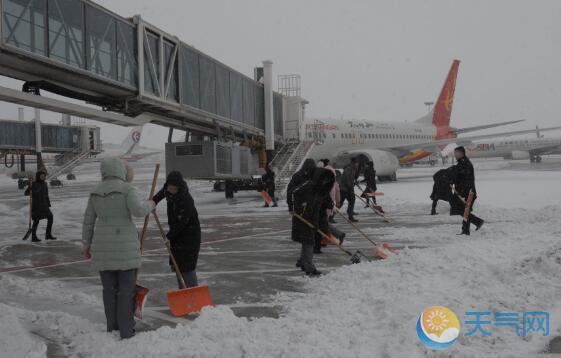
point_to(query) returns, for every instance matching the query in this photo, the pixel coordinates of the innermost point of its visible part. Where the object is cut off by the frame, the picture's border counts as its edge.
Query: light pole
(429, 104)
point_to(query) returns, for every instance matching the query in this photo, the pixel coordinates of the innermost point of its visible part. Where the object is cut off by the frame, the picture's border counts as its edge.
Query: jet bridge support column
(38, 146)
(269, 117)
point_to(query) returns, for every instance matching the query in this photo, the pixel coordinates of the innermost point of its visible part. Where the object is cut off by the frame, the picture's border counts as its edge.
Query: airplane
(389, 144)
(130, 143)
(519, 148)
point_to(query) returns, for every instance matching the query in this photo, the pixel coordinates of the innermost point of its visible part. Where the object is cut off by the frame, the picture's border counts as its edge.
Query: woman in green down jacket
(110, 239)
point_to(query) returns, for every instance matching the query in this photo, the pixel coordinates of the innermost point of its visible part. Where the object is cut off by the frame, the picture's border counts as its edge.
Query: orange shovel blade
(140, 300)
(330, 240)
(266, 197)
(189, 300)
(388, 248)
(380, 252)
(378, 193)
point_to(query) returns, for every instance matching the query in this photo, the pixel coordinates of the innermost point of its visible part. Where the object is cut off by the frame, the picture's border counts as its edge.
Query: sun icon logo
(438, 327)
(437, 321)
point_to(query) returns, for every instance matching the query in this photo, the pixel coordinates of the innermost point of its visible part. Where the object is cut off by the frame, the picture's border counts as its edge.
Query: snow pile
(15, 341)
(371, 308)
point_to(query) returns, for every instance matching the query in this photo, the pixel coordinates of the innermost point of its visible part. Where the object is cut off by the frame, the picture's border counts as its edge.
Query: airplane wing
(460, 140)
(487, 126)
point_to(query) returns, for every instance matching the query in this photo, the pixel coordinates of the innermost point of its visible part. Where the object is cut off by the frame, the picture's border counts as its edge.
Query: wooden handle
(152, 189)
(321, 233)
(175, 266)
(353, 225)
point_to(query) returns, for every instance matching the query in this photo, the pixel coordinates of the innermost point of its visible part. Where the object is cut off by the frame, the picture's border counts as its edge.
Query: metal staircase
(67, 165)
(287, 161)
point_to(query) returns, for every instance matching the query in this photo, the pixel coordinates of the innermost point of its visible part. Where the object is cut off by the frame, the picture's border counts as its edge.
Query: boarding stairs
(287, 161)
(67, 163)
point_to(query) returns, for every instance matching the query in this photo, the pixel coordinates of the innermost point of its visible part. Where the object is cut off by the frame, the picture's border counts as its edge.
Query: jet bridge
(135, 73)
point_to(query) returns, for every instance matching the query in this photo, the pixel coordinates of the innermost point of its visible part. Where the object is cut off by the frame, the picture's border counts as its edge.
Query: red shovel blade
(266, 197)
(189, 300)
(380, 252)
(330, 240)
(140, 300)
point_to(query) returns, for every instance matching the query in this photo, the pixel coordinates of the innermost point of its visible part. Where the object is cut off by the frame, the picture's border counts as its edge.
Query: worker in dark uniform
(268, 180)
(347, 186)
(370, 180)
(464, 181)
(441, 188)
(40, 206)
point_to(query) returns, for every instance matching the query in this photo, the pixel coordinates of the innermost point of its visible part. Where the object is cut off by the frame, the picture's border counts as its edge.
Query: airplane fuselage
(335, 137)
(514, 148)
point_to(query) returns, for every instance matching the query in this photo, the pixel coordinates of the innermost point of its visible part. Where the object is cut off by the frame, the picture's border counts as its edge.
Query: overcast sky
(378, 60)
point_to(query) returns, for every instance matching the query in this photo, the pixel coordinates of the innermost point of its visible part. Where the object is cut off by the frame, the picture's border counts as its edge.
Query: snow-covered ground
(367, 310)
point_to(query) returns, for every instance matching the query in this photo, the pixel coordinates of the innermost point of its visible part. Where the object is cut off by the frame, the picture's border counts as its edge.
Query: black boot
(341, 238)
(465, 228)
(479, 224)
(34, 238)
(50, 237)
(313, 272)
(353, 220)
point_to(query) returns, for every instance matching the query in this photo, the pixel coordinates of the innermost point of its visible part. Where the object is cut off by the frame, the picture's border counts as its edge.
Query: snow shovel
(377, 193)
(185, 300)
(26, 236)
(377, 209)
(266, 197)
(152, 190)
(355, 258)
(468, 203)
(380, 250)
(141, 291)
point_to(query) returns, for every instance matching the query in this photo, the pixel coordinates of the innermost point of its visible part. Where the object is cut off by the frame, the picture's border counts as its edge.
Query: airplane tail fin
(440, 115)
(132, 140)
(443, 106)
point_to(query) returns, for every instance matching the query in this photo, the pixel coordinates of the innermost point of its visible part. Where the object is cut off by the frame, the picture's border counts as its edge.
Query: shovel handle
(175, 266)
(374, 210)
(152, 190)
(356, 227)
(321, 233)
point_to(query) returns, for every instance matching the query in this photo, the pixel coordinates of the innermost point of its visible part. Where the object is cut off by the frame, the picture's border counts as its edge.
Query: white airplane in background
(389, 144)
(518, 148)
(130, 143)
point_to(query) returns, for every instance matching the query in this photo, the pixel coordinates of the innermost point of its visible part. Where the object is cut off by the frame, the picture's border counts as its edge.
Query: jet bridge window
(189, 149)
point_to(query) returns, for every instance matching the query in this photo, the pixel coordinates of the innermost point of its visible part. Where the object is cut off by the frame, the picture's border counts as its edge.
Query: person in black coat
(370, 180)
(347, 187)
(268, 180)
(40, 206)
(310, 199)
(463, 177)
(184, 233)
(441, 188)
(305, 173)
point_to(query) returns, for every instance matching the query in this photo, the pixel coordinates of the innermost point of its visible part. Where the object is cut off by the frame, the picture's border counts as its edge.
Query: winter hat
(174, 178)
(460, 149)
